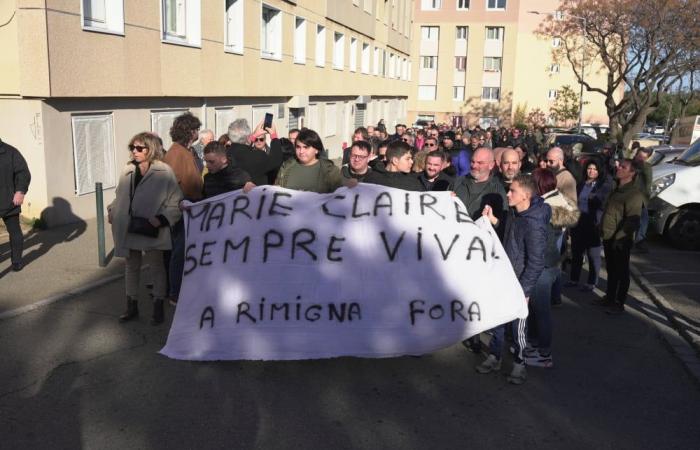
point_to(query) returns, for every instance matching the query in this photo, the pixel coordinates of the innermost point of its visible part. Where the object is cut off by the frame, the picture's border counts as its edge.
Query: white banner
(277, 274)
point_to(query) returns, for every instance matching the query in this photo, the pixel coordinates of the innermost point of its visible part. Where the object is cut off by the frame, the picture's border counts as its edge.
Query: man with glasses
(358, 167)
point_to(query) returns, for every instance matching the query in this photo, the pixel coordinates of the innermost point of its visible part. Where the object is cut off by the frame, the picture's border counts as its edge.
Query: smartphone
(268, 121)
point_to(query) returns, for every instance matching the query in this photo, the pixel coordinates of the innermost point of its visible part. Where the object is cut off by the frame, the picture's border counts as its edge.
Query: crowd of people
(543, 205)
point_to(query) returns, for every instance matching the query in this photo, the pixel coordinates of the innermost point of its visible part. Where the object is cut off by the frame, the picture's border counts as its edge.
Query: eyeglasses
(359, 156)
(138, 148)
(260, 139)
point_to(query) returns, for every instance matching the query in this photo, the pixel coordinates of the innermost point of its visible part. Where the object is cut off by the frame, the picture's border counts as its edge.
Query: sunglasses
(138, 148)
(260, 139)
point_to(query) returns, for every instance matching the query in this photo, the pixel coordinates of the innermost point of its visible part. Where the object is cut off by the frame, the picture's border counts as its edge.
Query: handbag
(139, 225)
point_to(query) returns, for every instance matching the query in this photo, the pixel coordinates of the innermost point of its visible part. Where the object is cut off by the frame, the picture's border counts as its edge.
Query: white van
(674, 209)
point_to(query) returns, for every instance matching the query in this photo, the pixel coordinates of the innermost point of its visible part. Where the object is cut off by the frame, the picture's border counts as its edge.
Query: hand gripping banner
(371, 271)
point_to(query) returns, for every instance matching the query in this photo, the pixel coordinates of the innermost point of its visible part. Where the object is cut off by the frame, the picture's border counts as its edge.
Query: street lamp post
(583, 57)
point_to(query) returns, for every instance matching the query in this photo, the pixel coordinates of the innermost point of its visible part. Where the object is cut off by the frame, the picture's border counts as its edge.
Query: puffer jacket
(525, 241)
(565, 214)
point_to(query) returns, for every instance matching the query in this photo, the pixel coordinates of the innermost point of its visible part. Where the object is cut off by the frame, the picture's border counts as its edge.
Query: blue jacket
(525, 241)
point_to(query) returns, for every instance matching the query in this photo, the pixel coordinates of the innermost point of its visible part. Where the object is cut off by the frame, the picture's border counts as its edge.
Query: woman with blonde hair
(146, 204)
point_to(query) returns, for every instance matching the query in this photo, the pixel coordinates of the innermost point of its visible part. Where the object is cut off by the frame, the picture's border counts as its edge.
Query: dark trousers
(617, 263)
(177, 259)
(16, 238)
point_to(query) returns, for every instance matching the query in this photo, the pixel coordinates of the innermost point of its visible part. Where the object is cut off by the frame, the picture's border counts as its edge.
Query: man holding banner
(266, 275)
(525, 240)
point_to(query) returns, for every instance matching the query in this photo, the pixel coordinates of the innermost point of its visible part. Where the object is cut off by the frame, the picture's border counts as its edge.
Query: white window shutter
(93, 150)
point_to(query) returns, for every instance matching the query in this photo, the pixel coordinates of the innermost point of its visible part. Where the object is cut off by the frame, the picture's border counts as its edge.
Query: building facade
(78, 78)
(479, 61)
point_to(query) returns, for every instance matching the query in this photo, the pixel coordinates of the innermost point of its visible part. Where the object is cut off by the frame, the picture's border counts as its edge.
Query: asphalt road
(675, 273)
(72, 377)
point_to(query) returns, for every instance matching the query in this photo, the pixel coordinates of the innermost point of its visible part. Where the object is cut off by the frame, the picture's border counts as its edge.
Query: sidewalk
(59, 262)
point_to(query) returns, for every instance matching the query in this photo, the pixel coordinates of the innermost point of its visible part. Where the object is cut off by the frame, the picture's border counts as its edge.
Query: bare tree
(643, 46)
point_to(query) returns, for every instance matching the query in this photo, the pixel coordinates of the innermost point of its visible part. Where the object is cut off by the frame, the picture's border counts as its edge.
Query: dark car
(579, 143)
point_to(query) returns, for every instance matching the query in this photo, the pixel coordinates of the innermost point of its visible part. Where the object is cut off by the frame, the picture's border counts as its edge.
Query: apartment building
(78, 78)
(477, 61)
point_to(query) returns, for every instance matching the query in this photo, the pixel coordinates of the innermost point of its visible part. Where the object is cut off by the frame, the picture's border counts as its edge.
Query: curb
(61, 296)
(683, 344)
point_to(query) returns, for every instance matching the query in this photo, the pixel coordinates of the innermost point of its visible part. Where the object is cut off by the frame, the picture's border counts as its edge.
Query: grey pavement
(71, 376)
(59, 262)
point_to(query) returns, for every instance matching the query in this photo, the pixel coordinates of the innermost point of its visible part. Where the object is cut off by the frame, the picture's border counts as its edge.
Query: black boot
(158, 313)
(132, 310)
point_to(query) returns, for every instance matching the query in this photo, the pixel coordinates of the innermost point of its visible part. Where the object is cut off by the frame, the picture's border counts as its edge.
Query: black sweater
(228, 179)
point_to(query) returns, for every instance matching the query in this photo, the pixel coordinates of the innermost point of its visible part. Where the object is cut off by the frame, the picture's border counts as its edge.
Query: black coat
(228, 179)
(399, 180)
(14, 177)
(587, 232)
(257, 163)
(442, 182)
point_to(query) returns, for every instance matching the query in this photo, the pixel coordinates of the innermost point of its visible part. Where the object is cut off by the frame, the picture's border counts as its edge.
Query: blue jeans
(177, 258)
(496, 344)
(643, 225)
(539, 322)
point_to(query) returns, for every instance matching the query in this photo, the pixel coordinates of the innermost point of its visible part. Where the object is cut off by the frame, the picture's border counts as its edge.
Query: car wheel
(684, 230)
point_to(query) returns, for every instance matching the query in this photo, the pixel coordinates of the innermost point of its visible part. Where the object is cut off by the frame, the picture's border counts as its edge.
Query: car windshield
(691, 156)
(569, 139)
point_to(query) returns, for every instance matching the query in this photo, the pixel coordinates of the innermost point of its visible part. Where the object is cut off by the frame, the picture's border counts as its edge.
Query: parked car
(674, 208)
(665, 153)
(581, 143)
(596, 131)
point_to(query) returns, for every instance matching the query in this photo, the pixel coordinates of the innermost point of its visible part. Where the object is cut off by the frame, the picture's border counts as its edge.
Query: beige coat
(157, 194)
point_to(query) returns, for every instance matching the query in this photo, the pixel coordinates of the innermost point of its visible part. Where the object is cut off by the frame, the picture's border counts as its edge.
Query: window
(331, 118)
(491, 93)
(296, 118)
(426, 92)
(93, 152)
(552, 94)
(182, 22)
(462, 33)
(365, 58)
(492, 64)
(554, 68)
(496, 4)
(271, 33)
(320, 46)
(353, 54)
(300, 40)
(234, 26)
(457, 92)
(429, 62)
(161, 121)
(313, 120)
(103, 15)
(375, 66)
(495, 33)
(430, 4)
(460, 63)
(222, 119)
(556, 42)
(338, 50)
(462, 4)
(558, 15)
(429, 33)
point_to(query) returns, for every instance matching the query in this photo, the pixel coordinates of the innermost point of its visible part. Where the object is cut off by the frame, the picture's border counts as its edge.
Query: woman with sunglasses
(146, 204)
(308, 171)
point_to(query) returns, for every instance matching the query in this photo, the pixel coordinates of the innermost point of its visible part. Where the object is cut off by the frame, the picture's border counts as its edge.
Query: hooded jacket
(565, 214)
(525, 242)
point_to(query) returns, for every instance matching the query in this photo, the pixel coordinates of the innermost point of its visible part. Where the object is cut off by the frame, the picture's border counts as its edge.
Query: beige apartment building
(477, 61)
(78, 78)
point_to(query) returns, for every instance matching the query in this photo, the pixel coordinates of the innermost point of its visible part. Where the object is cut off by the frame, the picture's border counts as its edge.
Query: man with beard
(432, 178)
(566, 183)
(509, 167)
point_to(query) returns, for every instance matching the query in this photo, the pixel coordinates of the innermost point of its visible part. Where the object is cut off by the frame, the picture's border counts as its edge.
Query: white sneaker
(489, 365)
(518, 375)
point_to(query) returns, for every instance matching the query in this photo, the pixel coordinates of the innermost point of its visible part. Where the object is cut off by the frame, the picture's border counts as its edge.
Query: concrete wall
(9, 56)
